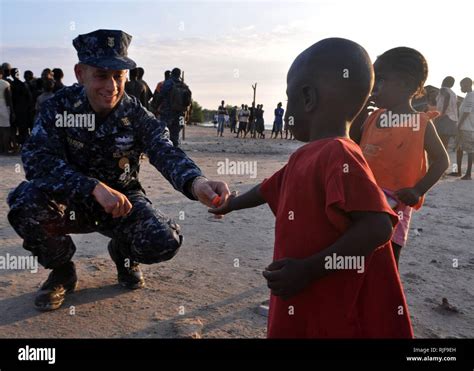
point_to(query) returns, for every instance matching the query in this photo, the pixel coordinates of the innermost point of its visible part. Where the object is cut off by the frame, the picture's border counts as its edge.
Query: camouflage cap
(105, 49)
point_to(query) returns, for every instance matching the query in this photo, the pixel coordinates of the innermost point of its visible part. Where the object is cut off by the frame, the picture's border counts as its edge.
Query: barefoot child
(329, 211)
(396, 136)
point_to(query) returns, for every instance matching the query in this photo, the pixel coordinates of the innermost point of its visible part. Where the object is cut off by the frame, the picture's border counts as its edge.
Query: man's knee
(157, 243)
(24, 200)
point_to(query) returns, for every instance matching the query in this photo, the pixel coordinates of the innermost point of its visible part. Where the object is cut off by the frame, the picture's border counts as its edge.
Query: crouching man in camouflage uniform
(82, 165)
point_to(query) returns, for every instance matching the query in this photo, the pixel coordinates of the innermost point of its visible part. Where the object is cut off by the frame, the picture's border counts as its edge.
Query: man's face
(46, 75)
(466, 86)
(104, 88)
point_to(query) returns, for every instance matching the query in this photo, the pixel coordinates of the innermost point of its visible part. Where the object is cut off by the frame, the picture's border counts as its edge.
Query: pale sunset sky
(226, 46)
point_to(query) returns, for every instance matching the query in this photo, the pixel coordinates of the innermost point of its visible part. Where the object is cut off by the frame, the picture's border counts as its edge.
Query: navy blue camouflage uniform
(64, 164)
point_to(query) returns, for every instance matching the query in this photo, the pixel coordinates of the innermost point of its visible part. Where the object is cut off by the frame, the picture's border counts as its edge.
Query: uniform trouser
(44, 221)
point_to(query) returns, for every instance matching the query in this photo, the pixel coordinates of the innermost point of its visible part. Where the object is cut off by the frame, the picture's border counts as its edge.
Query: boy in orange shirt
(329, 211)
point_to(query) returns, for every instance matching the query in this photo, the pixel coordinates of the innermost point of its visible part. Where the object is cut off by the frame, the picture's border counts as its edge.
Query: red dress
(311, 198)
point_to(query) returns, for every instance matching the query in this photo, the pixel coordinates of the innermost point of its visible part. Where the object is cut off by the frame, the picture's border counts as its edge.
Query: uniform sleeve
(351, 186)
(170, 161)
(44, 158)
(270, 189)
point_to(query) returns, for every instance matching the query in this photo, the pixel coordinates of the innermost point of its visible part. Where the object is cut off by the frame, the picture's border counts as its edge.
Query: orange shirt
(396, 153)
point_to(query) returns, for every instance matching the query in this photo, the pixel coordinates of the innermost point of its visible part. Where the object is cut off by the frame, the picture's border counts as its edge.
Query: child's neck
(402, 107)
(330, 130)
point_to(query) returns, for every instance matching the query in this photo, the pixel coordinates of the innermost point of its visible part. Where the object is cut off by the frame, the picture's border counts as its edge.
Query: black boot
(129, 273)
(61, 280)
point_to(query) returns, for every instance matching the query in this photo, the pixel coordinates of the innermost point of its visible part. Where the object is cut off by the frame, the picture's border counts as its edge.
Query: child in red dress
(333, 274)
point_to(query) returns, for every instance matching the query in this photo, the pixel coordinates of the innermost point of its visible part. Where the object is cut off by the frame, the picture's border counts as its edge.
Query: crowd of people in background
(455, 121)
(170, 102)
(20, 103)
(249, 120)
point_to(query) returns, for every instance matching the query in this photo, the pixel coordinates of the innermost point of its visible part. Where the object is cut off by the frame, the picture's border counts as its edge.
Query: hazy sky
(225, 46)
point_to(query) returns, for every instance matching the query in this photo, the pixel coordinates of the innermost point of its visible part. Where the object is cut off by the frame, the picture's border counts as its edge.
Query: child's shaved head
(328, 84)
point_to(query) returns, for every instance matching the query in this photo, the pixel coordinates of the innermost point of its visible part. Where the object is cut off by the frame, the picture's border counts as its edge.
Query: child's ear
(310, 98)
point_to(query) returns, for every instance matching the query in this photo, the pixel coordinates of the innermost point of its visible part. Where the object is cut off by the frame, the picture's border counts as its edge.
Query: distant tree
(209, 114)
(197, 114)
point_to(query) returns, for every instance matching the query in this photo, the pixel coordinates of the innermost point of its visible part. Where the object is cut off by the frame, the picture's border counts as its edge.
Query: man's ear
(310, 98)
(79, 71)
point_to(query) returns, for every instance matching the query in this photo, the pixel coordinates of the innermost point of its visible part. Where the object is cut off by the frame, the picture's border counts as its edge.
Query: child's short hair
(407, 62)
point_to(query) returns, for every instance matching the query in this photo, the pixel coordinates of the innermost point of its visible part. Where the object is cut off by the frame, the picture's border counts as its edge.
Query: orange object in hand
(216, 201)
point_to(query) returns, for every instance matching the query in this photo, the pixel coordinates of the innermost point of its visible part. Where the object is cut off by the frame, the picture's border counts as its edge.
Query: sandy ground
(214, 285)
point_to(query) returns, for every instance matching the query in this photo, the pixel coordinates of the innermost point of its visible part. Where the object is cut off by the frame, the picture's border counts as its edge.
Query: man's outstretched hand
(112, 201)
(206, 191)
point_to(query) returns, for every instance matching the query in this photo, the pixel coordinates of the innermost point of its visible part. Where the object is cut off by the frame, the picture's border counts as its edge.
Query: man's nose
(111, 84)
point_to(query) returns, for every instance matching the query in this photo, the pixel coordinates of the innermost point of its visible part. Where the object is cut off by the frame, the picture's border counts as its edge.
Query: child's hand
(409, 196)
(287, 277)
(225, 208)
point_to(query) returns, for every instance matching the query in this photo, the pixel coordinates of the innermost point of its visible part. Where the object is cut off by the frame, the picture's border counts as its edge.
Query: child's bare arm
(370, 230)
(251, 198)
(439, 162)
